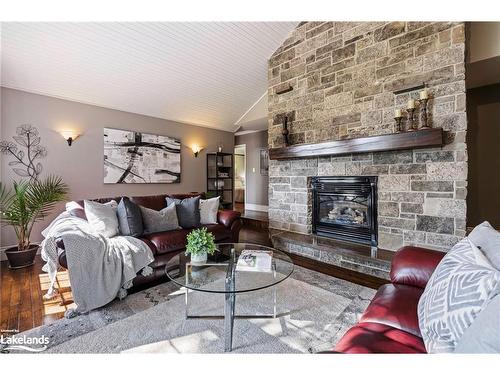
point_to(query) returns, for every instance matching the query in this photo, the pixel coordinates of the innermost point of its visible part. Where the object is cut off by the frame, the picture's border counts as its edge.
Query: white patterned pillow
(458, 290)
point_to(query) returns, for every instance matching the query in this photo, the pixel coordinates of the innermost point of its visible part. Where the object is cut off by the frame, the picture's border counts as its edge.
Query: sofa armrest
(414, 266)
(227, 217)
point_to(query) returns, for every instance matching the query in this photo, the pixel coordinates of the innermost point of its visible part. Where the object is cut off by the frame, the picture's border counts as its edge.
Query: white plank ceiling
(207, 73)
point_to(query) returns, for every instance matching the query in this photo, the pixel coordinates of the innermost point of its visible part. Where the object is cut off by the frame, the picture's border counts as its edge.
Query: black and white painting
(139, 158)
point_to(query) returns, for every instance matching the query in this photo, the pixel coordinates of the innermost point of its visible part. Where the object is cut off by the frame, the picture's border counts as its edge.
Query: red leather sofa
(165, 245)
(390, 323)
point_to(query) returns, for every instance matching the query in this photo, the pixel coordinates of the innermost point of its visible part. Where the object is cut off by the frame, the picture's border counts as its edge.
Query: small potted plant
(200, 243)
(24, 205)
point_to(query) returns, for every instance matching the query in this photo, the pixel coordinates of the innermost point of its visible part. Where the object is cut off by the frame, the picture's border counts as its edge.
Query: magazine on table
(255, 261)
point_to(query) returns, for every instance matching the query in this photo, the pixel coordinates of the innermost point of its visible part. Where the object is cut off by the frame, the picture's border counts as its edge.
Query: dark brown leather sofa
(165, 245)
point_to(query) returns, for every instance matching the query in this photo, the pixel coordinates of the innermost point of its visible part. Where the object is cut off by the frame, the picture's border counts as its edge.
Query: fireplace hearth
(345, 208)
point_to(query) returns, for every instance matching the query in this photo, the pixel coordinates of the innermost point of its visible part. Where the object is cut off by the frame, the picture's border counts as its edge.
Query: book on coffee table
(255, 261)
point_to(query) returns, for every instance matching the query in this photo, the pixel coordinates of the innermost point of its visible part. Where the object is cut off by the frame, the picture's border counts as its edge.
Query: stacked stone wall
(343, 77)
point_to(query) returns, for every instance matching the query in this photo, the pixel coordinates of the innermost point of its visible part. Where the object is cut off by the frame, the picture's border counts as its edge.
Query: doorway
(240, 177)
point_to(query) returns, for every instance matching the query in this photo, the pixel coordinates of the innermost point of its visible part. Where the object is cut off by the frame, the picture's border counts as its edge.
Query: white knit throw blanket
(100, 269)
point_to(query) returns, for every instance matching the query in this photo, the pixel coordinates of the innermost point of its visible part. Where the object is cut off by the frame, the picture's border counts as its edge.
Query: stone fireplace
(345, 208)
(343, 80)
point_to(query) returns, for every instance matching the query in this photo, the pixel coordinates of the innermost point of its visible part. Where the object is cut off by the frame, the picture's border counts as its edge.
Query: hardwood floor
(21, 296)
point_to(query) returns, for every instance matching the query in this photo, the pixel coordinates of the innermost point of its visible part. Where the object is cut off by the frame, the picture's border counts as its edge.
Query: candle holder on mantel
(424, 98)
(411, 119)
(423, 111)
(398, 120)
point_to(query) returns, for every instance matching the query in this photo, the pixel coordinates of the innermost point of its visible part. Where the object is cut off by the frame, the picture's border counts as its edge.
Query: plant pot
(20, 259)
(200, 258)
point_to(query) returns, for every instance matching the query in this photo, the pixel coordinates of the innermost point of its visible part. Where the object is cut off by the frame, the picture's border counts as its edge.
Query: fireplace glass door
(344, 209)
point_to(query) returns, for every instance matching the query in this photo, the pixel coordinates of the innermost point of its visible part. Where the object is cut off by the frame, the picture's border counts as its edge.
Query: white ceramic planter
(199, 258)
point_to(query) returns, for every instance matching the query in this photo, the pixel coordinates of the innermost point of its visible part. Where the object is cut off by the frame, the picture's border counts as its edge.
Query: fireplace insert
(345, 208)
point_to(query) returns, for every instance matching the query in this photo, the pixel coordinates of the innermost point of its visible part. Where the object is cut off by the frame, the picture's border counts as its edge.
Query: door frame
(243, 145)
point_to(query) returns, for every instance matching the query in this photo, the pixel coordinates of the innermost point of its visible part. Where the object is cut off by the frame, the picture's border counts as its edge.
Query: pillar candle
(397, 113)
(424, 94)
(411, 104)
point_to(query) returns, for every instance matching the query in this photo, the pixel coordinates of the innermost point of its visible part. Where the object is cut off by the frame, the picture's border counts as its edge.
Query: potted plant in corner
(200, 243)
(21, 207)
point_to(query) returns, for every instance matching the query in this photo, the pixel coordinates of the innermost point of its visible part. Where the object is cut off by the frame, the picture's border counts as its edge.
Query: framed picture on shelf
(264, 162)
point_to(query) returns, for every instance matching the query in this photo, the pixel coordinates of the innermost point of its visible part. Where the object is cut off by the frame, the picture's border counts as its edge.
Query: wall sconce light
(196, 150)
(69, 136)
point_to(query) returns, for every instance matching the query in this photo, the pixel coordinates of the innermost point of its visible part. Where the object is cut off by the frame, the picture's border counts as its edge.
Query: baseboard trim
(256, 207)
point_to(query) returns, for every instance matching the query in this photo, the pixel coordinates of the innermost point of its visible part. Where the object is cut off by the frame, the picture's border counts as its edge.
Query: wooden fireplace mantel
(398, 141)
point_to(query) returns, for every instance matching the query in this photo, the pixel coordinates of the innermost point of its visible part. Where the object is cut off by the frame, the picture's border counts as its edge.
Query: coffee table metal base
(229, 309)
(229, 316)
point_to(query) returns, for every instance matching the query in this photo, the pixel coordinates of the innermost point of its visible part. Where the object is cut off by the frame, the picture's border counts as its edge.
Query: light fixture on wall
(196, 149)
(69, 136)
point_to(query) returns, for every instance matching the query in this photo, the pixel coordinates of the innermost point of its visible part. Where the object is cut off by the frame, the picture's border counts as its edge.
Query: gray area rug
(314, 311)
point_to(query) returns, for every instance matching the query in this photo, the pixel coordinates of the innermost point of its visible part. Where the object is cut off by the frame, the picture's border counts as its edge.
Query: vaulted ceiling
(208, 73)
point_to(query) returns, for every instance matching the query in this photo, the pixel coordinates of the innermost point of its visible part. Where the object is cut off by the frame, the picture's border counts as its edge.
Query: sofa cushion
(188, 211)
(159, 221)
(378, 338)
(129, 218)
(161, 260)
(487, 239)
(396, 306)
(166, 242)
(463, 283)
(175, 240)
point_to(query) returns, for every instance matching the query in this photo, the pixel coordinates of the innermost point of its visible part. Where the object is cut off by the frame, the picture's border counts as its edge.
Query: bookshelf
(220, 177)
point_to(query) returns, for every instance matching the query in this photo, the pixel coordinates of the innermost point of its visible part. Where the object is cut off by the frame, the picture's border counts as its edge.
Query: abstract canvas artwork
(139, 158)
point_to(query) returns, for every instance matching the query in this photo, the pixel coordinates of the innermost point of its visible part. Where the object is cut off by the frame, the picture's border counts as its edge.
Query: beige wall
(81, 165)
(256, 184)
(484, 41)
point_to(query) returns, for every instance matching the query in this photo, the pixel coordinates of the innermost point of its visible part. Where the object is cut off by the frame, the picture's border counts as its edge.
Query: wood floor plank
(5, 290)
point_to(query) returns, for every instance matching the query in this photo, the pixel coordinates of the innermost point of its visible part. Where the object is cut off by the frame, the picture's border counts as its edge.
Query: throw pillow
(102, 217)
(159, 221)
(483, 334)
(461, 286)
(129, 218)
(208, 210)
(188, 211)
(487, 239)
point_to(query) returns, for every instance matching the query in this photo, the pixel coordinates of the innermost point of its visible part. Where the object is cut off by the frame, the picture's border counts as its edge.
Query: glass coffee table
(220, 274)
